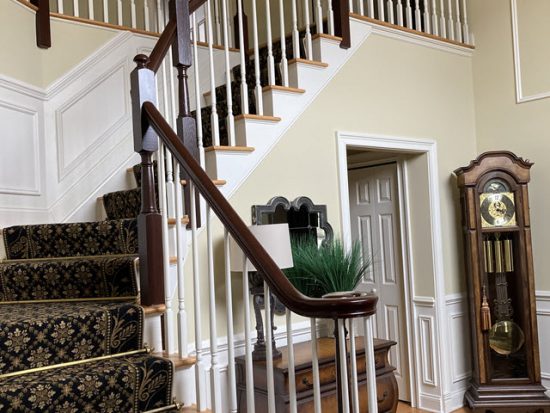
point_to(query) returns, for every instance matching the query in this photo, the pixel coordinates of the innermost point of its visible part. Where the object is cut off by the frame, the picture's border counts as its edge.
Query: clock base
(528, 398)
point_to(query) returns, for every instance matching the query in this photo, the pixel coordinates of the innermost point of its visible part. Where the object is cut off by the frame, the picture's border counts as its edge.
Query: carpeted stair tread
(41, 334)
(122, 204)
(128, 384)
(75, 278)
(111, 237)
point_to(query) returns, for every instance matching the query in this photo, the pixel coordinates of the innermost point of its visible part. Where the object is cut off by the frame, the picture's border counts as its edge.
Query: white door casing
(375, 224)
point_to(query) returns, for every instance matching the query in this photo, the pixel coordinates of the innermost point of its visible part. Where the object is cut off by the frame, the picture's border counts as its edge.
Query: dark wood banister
(43, 32)
(334, 308)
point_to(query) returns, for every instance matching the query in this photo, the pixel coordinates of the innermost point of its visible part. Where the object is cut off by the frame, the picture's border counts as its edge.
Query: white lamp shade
(275, 238)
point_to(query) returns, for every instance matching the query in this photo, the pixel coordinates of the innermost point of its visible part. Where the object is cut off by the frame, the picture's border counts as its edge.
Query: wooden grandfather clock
(499, 262)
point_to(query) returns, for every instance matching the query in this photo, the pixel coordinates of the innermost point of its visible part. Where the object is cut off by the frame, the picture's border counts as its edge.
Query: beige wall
(502, 123)
(71, 43)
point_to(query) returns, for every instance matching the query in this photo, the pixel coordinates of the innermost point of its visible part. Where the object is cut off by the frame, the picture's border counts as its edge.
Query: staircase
(81, 302)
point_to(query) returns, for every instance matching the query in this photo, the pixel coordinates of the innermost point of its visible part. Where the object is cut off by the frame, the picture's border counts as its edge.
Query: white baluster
(284, 61)
(343, 365)
(243, 52)
(353, 359)
(169, 314)
(247, 338)
(427, 17)
(91, 9)
(199, 391)
(417, 16)
(76, 8)
(315, 368)
(146, 15)
(291, 369)
(351, 6)
(381, 11)
(258, 89)
(442, 22)
(319, 16)
(330, 16)
(60, 6)
(214, 127)
(181, 246)
(361, 8)
(218, 21)
(458, 25)
(215, 383)
(451, 23)
(270, 59)
(435, 22)
(408, 13)
(159, 17)
(133, 12)
(390, 12)
(370, 8)
(229, 95)
(230, 338)
(231, 14)
(465, 27)
(309, 45)
(106, 11)
(196, 72)
(400, 21)
(371, 368)
(119, 13)
(295, 32)
(269, 351)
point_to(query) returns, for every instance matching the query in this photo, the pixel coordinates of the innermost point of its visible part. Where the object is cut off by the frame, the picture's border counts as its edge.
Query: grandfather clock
(499, 262)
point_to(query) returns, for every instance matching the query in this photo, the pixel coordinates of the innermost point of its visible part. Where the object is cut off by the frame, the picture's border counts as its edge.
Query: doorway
(375, 224)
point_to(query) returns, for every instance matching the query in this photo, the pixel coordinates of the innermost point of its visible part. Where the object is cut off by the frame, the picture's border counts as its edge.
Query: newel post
(151, 267)
(183, 59)
(341, 22)
(43, 32)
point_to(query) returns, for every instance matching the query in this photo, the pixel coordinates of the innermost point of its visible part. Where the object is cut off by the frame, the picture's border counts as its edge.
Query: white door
(374, 210)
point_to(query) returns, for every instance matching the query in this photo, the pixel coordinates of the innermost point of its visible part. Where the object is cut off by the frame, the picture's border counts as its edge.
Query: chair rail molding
(427, 316)
(520, 97)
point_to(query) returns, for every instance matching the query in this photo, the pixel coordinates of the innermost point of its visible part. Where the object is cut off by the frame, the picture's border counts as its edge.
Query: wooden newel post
(151, 264)
(43, 32)
(183, 59)
(341, 22)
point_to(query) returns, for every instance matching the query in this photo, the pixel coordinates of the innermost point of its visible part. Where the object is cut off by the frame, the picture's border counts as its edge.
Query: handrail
(334, 308)
(43, 32)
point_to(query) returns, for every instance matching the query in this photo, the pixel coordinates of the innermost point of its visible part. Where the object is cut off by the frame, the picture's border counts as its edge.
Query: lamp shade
(275, 238)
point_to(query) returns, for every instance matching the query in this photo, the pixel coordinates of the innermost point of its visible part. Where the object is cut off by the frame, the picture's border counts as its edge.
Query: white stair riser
(152, 331)
(327, 50)
(305, 76)
(281, 103)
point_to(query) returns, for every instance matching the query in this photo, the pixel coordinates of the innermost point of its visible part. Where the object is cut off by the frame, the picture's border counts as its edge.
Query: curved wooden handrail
(329, 307)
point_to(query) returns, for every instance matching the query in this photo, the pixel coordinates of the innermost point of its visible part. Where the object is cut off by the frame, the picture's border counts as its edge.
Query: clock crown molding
(505, 161)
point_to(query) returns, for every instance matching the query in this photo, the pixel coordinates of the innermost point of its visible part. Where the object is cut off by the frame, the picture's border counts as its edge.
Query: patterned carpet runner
(71, 331)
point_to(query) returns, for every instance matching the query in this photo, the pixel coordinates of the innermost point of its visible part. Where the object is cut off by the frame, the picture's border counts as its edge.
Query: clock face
(497, 209)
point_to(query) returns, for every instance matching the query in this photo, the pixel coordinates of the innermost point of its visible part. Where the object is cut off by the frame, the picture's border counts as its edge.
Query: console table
(385, 379)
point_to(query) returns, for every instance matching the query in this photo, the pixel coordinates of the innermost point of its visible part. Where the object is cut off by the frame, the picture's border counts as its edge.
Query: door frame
(427, 391)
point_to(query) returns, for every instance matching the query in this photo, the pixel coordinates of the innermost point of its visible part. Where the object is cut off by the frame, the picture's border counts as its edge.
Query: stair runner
(71, 327)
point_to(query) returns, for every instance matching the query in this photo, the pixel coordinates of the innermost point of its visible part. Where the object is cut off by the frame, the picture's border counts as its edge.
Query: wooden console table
(385, 379)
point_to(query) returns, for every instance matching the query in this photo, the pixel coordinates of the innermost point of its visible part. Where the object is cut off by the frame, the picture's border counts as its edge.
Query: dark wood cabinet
(499, 262)
(385, 379)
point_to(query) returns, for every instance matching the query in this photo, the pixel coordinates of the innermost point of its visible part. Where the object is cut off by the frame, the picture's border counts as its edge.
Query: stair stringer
(263, 135)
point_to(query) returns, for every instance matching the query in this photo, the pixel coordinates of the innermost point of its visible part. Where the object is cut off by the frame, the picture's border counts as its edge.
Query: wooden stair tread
(179, 362)
(308, 62)
(326, 36)
(184, 220)
(283, 89)
(217, 182)
(229, 149)
(258, 117)
(154, 309)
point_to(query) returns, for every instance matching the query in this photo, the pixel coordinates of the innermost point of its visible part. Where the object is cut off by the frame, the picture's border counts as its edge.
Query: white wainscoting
(543, 320)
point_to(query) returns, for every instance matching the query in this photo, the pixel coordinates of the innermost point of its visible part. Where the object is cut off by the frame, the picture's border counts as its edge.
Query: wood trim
(217, 182)
(326, 36)
(28, 4)
(258, 117)
(218, 46)
(348, 306)
(283, 89)
(229, 149)
(308, 62)
(406, 29)
(184, 220)
(150, 310)
(179, 362)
